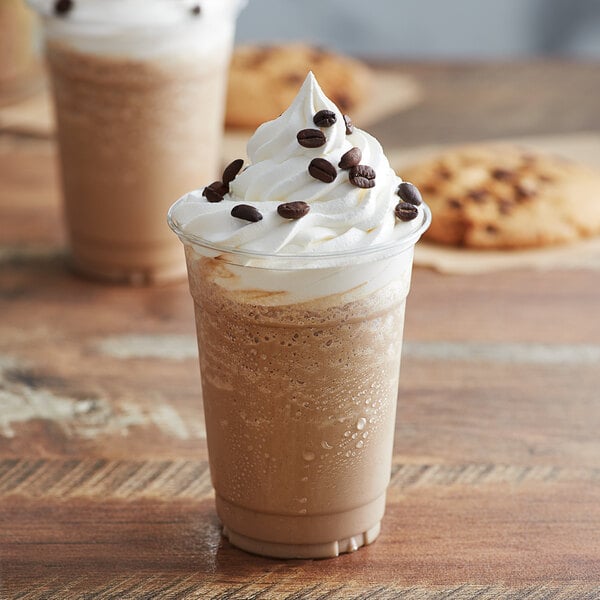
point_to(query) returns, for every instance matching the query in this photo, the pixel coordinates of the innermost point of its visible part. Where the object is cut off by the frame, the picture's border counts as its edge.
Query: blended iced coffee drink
(139, 94)
(20, 73)
(299, 266)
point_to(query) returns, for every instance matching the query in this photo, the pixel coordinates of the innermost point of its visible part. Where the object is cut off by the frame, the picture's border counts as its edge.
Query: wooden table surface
(495, 491)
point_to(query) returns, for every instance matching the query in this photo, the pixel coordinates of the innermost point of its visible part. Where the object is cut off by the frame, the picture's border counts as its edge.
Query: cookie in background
(503, 196)
(264, 80)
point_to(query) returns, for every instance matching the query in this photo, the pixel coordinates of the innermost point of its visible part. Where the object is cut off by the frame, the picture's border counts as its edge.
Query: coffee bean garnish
(231, 171)
(246, 212)
(406, 212)
(409, 193)
(62, 7)
(322, 170)
(195, 10)
(311, 138)
(324, 118)
(349, 125)
(502, 174)
(215, 191)
(350, 159)
(362, 176)
(293, 210)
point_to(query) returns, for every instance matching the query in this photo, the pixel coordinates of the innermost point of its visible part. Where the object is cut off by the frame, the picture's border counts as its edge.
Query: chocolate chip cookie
(263, 81)
(503, 196)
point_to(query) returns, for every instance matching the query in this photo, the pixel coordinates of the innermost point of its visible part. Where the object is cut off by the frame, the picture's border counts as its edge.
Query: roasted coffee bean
(324, 118)
(293, 210)
(215, 191)
(350, 159)
(246, 212)
(231, 171)
(322, 170)
(409, 193)
(62, 7)
(362, 176)
(311, 138)
(406, 212)
(195, 10)
(349, 125)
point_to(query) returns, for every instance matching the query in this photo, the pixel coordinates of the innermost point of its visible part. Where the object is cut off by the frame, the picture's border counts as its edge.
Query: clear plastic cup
(139, 90)
(299, 361)
(20, 72)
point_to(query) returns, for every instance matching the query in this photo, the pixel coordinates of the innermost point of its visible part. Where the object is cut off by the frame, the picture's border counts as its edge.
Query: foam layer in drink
(300, 406)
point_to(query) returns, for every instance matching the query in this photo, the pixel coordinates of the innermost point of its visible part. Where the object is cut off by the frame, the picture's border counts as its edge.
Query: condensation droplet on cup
(325, 445)
(307, 455)
(302, 511)
(360, 444)
(347, 433)
(360, 425)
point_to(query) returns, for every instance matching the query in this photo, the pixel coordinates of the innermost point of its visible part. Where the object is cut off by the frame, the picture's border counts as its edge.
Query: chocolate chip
(62, 7)
(215, 191)
(409, 193)
(311, 138)
(454, 203)
(524, 190)
(231, 171)
(350, 159)
(322, 170)
(362, 176)
(349, 125)
(491, 229)
(293, 210)
(342, 101)
(324, 118)
(406, 212)
(246, 212)
(477, 195)
(444, 173)
(195, 10)
(292, 78)
(505, 206)
(502, 174)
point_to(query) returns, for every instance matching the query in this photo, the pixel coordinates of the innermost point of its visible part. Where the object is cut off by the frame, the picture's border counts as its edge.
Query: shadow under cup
(139, 111)
(299, 361)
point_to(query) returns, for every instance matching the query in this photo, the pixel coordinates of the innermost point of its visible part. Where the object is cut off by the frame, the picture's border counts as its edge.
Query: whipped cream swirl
(342, 216)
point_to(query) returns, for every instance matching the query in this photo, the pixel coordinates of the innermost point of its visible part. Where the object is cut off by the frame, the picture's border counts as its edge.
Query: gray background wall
(429, 29)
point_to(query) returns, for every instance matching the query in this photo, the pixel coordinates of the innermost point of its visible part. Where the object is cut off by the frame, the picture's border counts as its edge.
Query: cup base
(133, 277)
(301, 536)
(322, 550)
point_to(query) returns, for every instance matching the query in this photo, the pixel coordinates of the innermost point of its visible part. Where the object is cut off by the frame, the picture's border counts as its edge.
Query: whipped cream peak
(347, 212)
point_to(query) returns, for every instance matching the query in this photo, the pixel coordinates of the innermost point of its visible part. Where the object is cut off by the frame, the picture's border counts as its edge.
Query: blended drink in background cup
(20, 73)
(299, 267)
(139, 89)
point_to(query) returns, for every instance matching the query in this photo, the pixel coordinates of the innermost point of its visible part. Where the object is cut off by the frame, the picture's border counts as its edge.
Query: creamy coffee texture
(299, 266)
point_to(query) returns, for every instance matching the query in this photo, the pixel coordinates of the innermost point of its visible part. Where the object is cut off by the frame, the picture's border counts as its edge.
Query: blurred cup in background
(139, 88)
(20, 74)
